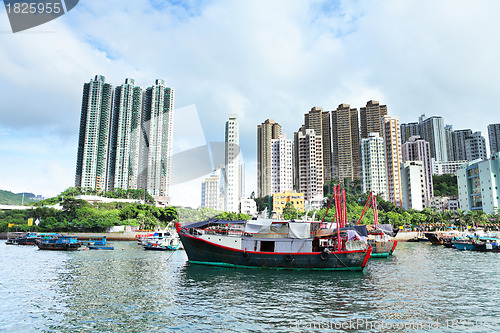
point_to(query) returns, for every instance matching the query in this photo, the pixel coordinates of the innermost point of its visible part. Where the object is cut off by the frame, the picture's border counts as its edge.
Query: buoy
(123, 249)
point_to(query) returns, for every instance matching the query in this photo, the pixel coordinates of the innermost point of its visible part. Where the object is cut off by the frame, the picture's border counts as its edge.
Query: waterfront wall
(110, 236)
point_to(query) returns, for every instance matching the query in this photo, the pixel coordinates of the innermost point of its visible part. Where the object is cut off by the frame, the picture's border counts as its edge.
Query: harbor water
(421, 288)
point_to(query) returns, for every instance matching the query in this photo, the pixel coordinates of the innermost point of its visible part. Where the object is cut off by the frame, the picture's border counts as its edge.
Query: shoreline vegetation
(78, 215)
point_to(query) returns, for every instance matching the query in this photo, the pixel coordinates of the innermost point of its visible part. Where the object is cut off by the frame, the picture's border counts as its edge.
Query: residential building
(478, 185)
(241, 187)
(371, 118)
(280, 200)
(266, 132)
(156, 140)
(417, 149)
(432, 131)
(409, 130)
(442, 204)
(374, 174)
(412, 185)
(309, 158)
(448, 134)
(475, 147)
(212, 191)
(494, 138)
(392, 142)
(93, 141)
(233, 171)
(248, 206)
(126, 141)
(282, 164)
(125, 137)
(346, 144)
(440, 168)
(319, 121)
(458, 139)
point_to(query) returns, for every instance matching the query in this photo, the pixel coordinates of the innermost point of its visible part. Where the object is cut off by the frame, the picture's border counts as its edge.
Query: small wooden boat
(98, 243)
(58, 243)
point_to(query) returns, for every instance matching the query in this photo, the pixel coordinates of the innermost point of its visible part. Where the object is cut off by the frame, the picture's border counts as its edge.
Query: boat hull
(203, 252)
(464, 246)
(481, 247)
(154, 247)
(58, 247)
(382, 249)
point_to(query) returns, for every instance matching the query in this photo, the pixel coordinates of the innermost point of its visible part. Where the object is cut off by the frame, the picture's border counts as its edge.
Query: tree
(264, 202)
(290, 212)
(445, 185)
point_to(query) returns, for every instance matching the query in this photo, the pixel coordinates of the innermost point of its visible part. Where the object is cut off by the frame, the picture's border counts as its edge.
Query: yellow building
(280, 200)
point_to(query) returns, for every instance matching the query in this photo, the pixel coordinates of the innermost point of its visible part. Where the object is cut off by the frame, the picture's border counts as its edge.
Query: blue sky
(258, 59)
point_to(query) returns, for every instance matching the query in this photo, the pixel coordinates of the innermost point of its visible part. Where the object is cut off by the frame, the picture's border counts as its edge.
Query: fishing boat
(26, 238)
(276, 244)
(487, 244)
(380, 236)
(442, 237)
(168, 241)
(98, 243)
(58, 243)
(463, 243)
(13, 238)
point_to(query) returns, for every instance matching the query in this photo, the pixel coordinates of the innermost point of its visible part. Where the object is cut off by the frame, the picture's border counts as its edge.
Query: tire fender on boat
(245, 255)
(324, 255)
(289, 258)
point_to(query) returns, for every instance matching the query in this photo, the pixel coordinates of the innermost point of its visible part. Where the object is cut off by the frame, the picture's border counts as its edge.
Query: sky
(257, 59)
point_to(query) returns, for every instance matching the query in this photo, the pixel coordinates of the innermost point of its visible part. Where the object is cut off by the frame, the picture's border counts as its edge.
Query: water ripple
(132, 290)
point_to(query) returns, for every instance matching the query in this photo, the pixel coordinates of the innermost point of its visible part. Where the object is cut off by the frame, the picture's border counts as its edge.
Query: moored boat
(487, 244)
(13, 237)
(276, 244)
(167, 241)
(380, 236)
(58, 243)
(463, 245)
(98, 243)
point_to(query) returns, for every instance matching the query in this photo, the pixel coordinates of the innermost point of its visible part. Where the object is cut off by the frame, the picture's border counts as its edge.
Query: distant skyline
(256, 59)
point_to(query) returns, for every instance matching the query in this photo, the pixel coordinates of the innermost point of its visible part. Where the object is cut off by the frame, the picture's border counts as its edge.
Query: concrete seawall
(110, 236)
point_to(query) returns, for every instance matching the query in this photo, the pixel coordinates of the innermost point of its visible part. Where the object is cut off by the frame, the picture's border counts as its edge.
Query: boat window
(267, 246)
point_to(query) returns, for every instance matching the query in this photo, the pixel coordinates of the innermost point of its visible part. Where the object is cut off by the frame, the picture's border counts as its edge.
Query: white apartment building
(373, 170)
(233, 171)
(309, 164)
(440, 168)
(413, 187)
(248, 206)
(417, 149)
(281, 164)
(212, 195)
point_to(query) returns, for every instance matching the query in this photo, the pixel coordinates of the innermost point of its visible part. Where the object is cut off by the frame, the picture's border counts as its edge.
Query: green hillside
(9, 198)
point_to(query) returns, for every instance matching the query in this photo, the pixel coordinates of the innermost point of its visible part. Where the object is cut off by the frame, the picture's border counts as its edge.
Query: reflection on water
(132, 290)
